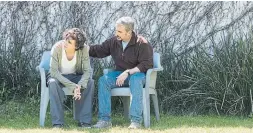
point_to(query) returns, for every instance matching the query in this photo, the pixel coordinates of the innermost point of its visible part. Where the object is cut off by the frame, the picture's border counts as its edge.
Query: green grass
(167, 122)
(15, 121)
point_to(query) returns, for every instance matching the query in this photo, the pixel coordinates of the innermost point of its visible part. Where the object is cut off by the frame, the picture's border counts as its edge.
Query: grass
(210, 124)
(16, 118)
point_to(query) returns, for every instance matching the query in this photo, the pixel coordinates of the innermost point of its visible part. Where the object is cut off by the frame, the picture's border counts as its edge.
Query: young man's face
(122, 34)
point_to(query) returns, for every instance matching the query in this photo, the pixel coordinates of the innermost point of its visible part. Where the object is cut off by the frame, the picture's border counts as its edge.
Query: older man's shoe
(134, 125)
(84, 125)
(102, 124)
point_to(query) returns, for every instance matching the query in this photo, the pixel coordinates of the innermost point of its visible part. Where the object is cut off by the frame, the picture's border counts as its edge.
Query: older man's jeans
(107, 82)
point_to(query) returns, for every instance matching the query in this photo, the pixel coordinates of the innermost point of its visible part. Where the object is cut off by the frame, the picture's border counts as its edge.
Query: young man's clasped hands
(77, 93)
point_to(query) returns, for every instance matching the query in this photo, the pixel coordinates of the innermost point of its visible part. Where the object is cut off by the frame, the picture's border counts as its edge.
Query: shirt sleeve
(85, 68)
(145, 57)
(102, 50)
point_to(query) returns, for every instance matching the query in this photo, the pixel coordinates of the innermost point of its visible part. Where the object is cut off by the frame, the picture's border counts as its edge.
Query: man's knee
(52, 84)
(52, 81)
(104, 83)
(102, 79)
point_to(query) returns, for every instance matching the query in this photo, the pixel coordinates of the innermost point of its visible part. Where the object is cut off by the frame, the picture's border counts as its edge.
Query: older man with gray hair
(132, 59)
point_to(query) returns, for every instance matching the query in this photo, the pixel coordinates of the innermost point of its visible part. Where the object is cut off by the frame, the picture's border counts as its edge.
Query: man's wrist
(78, 86)
(128, 72)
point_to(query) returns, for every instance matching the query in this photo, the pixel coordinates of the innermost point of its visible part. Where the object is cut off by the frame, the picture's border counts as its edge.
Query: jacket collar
(133, 39)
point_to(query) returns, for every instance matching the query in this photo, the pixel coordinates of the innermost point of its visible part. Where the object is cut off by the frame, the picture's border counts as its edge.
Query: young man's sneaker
(134, 125)
(103, 124)
(84, 125)
(58, 126)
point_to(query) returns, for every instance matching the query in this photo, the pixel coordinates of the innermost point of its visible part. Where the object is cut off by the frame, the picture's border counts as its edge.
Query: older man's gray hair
(128, 22)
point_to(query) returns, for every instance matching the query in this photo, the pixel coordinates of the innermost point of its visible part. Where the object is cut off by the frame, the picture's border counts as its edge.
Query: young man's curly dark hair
(75, 34)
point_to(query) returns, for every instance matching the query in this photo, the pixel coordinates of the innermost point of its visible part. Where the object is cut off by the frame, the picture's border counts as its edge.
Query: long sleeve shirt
(82, 67)
(134, 55)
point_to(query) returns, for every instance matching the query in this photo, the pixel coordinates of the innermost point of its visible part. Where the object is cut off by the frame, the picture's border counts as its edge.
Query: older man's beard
(119, 38)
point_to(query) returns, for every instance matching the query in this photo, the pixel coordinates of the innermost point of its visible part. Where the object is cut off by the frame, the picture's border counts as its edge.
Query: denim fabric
(107, 82)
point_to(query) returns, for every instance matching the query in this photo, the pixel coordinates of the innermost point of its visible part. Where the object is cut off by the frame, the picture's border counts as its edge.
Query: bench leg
(126, 104)
(43, 105)
(156, 107)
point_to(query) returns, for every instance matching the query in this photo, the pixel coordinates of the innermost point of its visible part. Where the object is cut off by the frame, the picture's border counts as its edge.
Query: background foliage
(206, 48)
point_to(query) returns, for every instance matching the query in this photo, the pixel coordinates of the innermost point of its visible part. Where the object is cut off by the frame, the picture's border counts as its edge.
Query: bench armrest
(42, 76)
